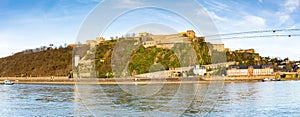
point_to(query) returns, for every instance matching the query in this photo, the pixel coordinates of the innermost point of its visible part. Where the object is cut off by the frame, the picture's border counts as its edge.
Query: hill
(47, 62)
(143, 60)
(58, 61)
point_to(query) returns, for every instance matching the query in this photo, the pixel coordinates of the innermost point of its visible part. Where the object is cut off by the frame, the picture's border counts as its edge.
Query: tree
(296, 75)
(283, 75)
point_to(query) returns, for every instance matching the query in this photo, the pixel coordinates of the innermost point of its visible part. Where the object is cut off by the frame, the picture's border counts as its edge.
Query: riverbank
(108, 81)
(112, 81)
(39, 80)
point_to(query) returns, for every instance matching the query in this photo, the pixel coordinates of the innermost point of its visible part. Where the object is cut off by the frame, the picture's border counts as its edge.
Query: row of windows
(246, 72)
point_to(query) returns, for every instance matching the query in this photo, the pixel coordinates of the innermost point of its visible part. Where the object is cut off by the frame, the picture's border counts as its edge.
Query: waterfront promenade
(73, 81)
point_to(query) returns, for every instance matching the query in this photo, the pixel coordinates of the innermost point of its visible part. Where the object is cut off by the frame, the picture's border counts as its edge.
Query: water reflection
(35, 100)
(235, 99)
(171, 100)
(259, 99)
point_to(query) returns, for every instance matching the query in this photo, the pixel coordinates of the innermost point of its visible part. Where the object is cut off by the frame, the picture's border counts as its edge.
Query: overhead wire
(257, 36)
(253, 32)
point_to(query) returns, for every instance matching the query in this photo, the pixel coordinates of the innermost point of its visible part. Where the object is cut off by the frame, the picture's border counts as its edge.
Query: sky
(29, 24)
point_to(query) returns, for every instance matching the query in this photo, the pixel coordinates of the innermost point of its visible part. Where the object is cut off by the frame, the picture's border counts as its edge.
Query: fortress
(86, 63)
(168, 41)
(163, 41)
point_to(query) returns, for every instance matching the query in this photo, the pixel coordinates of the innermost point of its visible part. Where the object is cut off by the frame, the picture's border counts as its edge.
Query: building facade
(100, 39)
(199, 70)
(147, 44)
(91, 42)
(217, 47)
(245, 51)
(190, 34)
(255, 70)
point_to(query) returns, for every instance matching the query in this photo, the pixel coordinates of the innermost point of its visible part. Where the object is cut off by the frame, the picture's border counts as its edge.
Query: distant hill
(242, 57)
(48, 62)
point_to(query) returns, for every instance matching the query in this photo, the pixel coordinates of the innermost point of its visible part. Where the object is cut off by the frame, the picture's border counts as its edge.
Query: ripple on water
(236, 99)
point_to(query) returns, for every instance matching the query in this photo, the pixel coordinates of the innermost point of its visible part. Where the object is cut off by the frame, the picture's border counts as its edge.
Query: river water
(229, 99)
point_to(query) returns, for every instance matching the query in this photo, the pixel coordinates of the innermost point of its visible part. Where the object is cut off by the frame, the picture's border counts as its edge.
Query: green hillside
(104, 52)
(245, 58)
(143, 60)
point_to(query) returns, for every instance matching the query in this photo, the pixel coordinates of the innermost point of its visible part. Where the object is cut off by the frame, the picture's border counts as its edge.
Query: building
(76, 60)
(178, 72)
(165, 46)
(143, 34)
(245, 51)
(218, 47)
(95, 42)
(91, 42)
(286, 60)
(240, 51)
(226, 49)
(199, 39)
(199, 70)
(252, 51)
(253, 70)
(235, 70)
(100, 39)
(263, 70)
(190, 34)
(147, 44)
(298, 70)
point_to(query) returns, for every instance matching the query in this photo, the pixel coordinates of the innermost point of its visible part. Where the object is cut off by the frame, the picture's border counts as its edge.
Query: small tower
(190, 34)
(99, 39)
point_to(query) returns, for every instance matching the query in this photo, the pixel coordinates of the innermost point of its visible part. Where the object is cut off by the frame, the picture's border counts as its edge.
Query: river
(229, 99)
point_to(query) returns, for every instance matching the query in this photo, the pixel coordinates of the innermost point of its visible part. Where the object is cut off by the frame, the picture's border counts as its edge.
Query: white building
(199, 70)
(76, 60)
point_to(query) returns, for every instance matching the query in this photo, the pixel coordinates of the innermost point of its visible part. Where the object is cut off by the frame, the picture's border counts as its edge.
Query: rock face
(86, 64)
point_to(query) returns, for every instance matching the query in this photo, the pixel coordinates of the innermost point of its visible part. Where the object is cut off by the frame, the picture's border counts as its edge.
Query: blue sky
(34, 23)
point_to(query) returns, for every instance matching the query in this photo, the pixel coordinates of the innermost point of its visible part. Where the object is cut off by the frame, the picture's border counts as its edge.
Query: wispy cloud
(255, 21)
(291, 5)
(214, 16)
(245, 16)
(127, 3)
(286, 10)
(217, 5)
